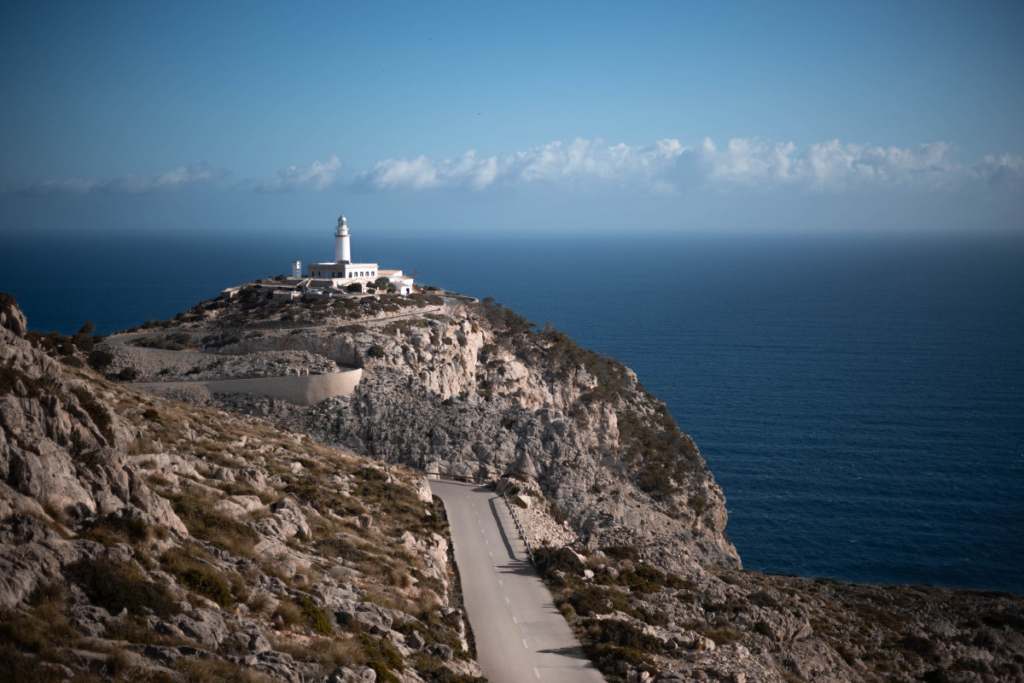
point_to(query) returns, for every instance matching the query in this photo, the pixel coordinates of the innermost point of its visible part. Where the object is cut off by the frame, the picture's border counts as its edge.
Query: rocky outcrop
(639, 622)
(475, 392)
(144, 539)
(62, 447)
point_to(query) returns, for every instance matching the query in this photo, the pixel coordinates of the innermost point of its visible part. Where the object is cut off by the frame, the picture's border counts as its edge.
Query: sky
(509, 118)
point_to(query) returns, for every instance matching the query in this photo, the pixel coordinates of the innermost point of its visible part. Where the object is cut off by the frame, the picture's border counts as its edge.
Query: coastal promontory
(170, 513)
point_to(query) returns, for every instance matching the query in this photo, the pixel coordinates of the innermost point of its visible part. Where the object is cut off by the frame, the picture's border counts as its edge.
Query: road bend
(520, 635)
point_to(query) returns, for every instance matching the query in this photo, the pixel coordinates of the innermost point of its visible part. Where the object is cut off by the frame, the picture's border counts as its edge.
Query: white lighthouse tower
(342, 271)
(342, 249)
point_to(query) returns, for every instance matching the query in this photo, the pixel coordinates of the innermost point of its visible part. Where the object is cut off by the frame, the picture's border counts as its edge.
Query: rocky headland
(627, 520)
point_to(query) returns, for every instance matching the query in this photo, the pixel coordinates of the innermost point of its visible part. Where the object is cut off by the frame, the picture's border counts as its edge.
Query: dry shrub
(119, 663)
(219, 671)
(23, 633)
(289, 613)
(384, 599)
(329, 653)
(112, 529)
(202, 578)
(49, 593)
(196, 509)
(259, 602)
(115, 586)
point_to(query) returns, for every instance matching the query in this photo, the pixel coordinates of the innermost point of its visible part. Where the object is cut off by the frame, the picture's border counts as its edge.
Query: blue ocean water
(859, 399)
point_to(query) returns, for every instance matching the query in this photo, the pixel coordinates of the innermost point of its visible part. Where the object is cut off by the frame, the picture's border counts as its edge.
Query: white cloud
(662, 168)
(742, 163)
(829, 166)
(175, 180)
(580, 160)
(314, 177)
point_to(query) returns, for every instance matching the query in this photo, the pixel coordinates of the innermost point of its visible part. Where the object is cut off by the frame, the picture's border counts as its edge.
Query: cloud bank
(668, 165)
(175, 180)
(580, 160)
(665, 167)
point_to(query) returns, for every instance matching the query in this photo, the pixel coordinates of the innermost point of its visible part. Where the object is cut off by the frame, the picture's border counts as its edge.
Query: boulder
(204, 625)
(252, 640)
(372, 618)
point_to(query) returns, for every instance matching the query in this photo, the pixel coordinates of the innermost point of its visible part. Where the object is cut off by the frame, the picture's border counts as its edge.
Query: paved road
(520, 635)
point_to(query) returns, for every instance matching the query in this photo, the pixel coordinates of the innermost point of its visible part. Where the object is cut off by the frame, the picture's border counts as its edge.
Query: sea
(859, 398)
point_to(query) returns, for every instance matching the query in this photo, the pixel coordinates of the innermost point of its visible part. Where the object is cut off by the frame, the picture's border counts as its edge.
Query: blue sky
(539, 116)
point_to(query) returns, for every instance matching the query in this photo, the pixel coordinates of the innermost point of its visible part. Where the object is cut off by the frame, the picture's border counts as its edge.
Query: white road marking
(490, 553)
(525, 645)
(507, 602)
(535, 672)
(486, 542)
(514, 621)
(500, 582)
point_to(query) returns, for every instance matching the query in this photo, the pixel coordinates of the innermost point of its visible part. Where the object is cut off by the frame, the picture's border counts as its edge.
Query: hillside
(144, 539)
(626, 519)
(474, 389)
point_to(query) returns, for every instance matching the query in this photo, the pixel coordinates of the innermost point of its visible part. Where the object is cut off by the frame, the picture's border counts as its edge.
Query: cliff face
(474, 391)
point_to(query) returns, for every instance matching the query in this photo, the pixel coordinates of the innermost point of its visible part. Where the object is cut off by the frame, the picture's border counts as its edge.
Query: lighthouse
(342, 271)
(342, 249)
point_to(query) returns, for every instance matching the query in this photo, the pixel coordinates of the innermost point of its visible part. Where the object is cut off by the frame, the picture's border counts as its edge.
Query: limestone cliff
(474, 390)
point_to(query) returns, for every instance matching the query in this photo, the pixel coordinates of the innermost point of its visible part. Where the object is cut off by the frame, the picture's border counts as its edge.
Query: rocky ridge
(475, 390)
(143, 539)
(627, 521)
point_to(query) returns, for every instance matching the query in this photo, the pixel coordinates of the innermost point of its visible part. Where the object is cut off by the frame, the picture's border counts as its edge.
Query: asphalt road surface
(520, 635)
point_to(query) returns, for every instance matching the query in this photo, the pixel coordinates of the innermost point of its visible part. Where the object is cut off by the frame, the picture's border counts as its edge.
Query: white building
(342, 272)
(402, 283)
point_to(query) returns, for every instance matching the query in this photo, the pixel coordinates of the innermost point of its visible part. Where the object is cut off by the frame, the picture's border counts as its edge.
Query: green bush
(383, 658)
(375, 351)
(550, 560)
(208, 584)
(621, 553)
(644, 579)
(315, 616)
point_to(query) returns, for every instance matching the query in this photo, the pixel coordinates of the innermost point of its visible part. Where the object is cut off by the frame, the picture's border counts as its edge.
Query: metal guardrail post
(522, 534)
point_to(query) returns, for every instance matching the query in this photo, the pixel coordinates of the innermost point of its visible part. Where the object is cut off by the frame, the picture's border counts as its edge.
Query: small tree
(82, 339)
(355, 288)
(129, 374)
(381, 283)
(100, 360)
